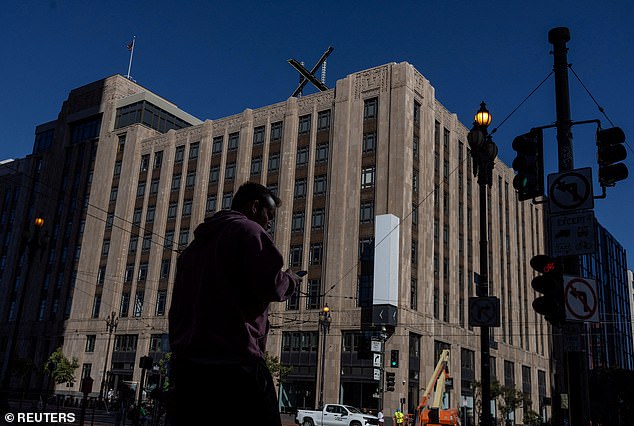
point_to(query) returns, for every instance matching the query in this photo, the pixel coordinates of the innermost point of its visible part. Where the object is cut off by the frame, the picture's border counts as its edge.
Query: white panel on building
(386, 258)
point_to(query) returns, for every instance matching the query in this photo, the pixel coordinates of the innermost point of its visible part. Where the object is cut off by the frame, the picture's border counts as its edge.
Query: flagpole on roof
(131, 49)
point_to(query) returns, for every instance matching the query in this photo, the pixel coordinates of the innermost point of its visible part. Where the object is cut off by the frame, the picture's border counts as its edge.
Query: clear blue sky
(215, 58)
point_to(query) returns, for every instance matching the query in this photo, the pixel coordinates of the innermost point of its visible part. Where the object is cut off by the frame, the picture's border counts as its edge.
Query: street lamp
(483, 152)
(324, 324)
(32, 243)
(111, 326)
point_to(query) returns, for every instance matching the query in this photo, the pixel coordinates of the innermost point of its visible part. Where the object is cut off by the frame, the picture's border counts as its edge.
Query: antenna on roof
(307, 76)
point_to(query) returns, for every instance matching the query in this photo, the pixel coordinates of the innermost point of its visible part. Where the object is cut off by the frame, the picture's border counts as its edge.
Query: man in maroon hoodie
(218, 319)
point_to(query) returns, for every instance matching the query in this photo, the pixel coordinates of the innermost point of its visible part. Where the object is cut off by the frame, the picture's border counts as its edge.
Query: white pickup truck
(335, 415)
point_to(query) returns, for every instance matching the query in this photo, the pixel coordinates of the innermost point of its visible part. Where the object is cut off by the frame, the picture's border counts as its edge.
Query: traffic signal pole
(569, 366)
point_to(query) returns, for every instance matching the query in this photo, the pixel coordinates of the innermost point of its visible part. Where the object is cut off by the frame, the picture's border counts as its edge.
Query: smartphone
(301, 273)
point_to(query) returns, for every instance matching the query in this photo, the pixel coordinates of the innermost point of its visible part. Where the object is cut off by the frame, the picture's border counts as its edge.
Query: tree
(278, 371)
(60, 368)
(508, 400)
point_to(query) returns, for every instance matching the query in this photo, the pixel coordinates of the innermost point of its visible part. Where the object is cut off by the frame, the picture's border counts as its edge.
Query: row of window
(124, 307)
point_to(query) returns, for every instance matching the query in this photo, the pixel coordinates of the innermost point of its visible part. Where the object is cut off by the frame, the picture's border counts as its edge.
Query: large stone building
(123, 177)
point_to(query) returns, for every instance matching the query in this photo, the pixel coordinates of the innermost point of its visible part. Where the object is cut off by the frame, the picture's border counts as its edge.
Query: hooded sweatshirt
(225, 280)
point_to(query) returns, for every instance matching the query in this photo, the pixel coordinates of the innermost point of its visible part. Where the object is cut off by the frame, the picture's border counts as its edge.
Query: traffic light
(394, 358)
(529, 165)
(390, 380)
(551, 284)
(610, 151)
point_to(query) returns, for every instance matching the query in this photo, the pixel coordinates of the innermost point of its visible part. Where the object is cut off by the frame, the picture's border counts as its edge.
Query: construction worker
(398, 418)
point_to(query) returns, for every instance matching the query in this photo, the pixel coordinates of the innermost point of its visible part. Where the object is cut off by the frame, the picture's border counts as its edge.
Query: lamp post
(483, 152)
(111, 326)
(324, 324)
(32, 243)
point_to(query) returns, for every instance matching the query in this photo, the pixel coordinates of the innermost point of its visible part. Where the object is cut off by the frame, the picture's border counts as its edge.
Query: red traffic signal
(551, 285)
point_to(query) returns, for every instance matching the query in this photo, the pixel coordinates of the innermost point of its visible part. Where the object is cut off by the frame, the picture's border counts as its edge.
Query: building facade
(610, 339)
(123, 177)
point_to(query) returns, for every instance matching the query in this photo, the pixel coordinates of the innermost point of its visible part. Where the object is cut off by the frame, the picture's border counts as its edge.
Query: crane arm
(440, 368)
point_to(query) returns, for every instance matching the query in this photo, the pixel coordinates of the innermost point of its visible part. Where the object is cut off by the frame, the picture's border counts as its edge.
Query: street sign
(377, 374)
(570, 190)
(581, 299)
(375, 346)
(484, 311)
(377, 360)
(572, 234)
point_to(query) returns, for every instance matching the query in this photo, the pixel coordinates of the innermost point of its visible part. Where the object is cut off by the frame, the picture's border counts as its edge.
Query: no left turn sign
(581, 299)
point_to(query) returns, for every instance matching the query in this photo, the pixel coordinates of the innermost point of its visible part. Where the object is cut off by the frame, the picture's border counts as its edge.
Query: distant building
(610, 341)
(123, 177)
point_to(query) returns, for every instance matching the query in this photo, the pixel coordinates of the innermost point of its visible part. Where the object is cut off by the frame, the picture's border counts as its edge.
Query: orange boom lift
(434, 415)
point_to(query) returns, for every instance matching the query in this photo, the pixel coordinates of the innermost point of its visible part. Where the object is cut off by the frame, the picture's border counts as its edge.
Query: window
(158, 159)
(121, 146)
(295, 258)
(211, 204)
(258, 135)
(169, 238)
(109, 220)
(226, 200)
(165, 268)
(416, 112)
(129, 272)
(176, 182)
(316, 253)
(274, 162)
(323, 120)
(302, 156)
(304, 124)
(230, 171)
(190, 180)
(161, 299)
(149, 217)
(187, 208)
(125, 305)
(300, 188)
(138, 303)
(367, 177)
(232, 145)
(276, 131)
(415, 143)
(105, 248)
(193, 150)
(154, 186)
(320, 185)
(319, 218)
(183, 237)
(117, 168)
(96, 306)
(147, 242)
(113, 194)
(134, 241)
(322, 153)
(413, 294)
(314, 291)
(171, 210)
(90, 342)
(297, 223)
(145, 162)
(216, 145)
(256, 166)
(367, 212)
(140, 189)
(370, 108)
(369, 142)
(143, 268)
(180, 154)
(214, 174)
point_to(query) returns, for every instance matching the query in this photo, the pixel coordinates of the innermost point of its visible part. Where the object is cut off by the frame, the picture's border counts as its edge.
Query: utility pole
(570, 376)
